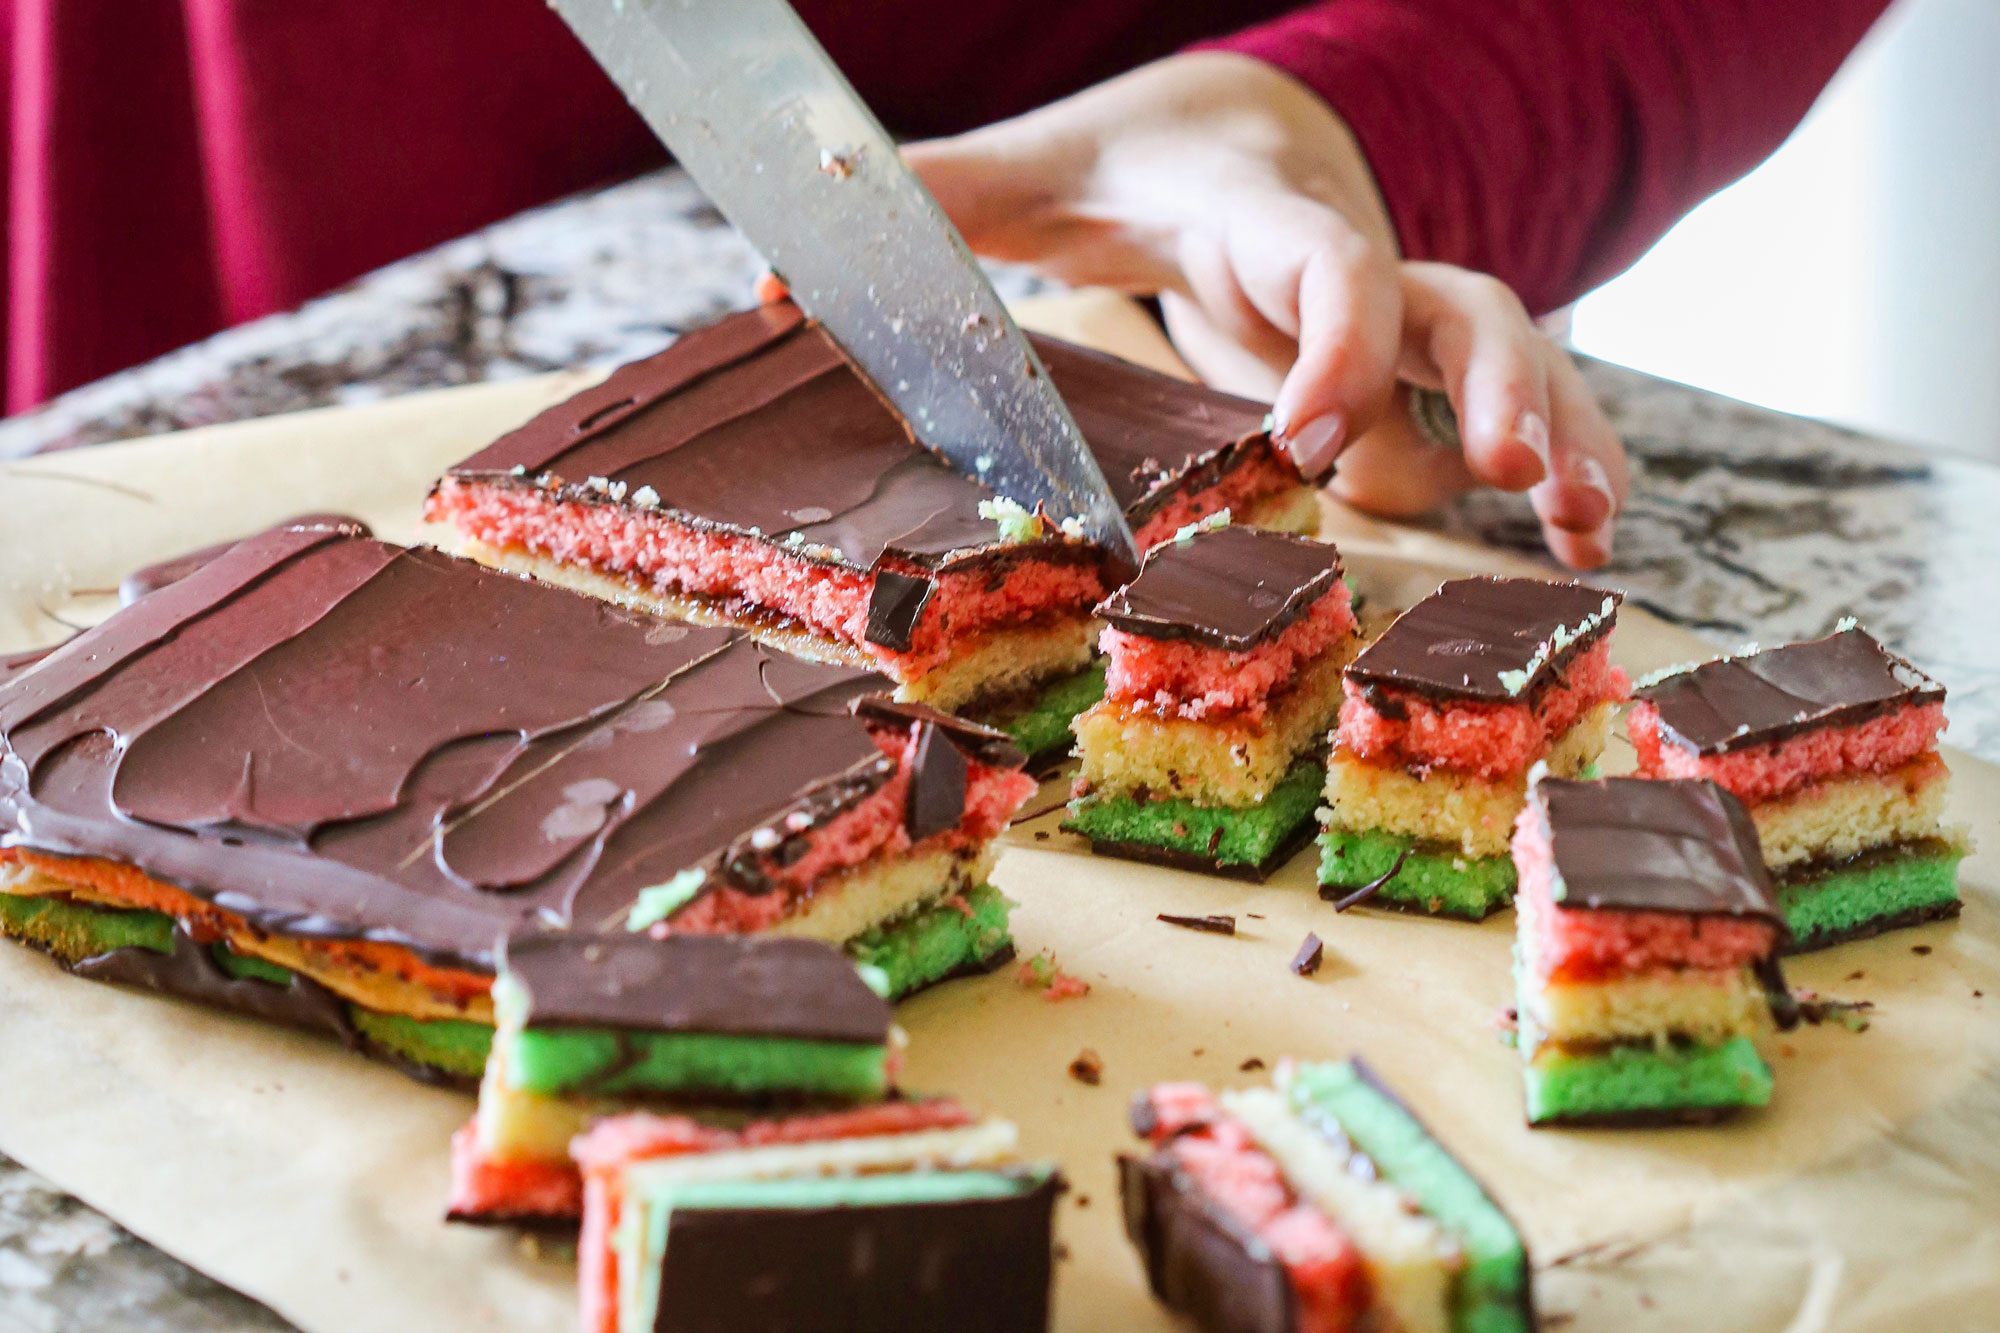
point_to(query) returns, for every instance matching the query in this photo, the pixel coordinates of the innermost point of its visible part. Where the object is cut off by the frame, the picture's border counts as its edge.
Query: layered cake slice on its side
(1833, 745)
(318, 778)
(748, 476)
(587, 1027)
(906, 1216)
(1223, 663)
(1443, 717)
(1647, 954)
(1319, 1206)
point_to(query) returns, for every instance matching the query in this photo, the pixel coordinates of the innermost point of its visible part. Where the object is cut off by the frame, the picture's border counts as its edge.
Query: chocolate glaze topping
(896, 603)
(758, 424)
(1231, 588)
(191, 971)
(152, 578)
(972, 1266)
(332, 736)
(1198, 1261)
(1636, 845)
(741, 986)
(937, 784)
(1739, 702)
(1472, 638)
(984, 744)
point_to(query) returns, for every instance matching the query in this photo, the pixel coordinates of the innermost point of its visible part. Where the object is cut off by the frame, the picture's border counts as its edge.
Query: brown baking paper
(1866, 1197)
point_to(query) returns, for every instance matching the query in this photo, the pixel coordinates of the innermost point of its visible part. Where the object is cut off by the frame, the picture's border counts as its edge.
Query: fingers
(1473, 334)
(1588, 482)
(1394, 472)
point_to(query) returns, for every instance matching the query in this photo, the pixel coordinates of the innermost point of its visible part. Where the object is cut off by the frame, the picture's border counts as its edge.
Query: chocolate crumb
(1214, 925)
(1041, 835)
(1087, 1068)
(1978, 994)
(1856, 975)
(1306, 961)
(1920, 949)
(1250, 1066)
(1342, 897)
(1255, 916)
(1214, 840)
(1083, 1201)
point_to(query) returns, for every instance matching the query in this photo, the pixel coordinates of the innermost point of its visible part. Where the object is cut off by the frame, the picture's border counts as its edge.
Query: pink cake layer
(1186, 679)
(675, 559)
(1329, 1279)
(1262, 474)
(1874, 745)
(487, 1187)
(1490, 740)
(1570, 944)
(867, 831)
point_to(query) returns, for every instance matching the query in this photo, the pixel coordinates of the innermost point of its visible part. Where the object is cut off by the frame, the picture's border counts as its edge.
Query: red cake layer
(1490, 740)
(739, 571)
(1182, 678)
(614, 1143)
(1758, 773)
(1261, 476)
(485, 1188)
(870, 830)
(1573, 945)
(1329, 1279)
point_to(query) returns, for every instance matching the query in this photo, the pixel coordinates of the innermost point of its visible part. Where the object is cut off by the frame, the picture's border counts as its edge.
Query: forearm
(1552, 145)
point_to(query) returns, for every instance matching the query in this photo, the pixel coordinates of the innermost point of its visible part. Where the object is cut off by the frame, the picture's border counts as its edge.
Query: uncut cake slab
(314, 1180)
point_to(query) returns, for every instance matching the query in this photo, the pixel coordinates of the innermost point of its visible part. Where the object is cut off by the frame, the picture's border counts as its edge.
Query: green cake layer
(1248, 836)
(938, 942)
(1041, 727)
(597, 1063)
(72, 932)
(1646, 1083)
(1869, 896)
(1433, 880)
(1491, 1292)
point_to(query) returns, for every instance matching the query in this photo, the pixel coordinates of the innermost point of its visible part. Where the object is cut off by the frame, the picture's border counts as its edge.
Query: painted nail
(1315, 445)
(1531, 430)
(1590, 474)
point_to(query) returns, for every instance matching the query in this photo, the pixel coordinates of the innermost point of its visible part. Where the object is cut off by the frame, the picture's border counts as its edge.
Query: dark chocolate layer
(1151, 853)
(1487, 638)
(1198, 1261)
(1740, 702)
(1232, 588)
(191, 972)
(152, 578)
(1635, 845)
(715, 984)
(758, 424)
(969, 1266)
(332, 736)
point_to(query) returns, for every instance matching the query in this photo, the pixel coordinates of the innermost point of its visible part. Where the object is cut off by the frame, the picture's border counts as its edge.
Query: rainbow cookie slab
(913, 1215)
(589, 1027)
(1646, 962)
(1442, 718)
(1833, 746)
(748, 476)
(317, 777)
(1222, 674)
(1320, 1203)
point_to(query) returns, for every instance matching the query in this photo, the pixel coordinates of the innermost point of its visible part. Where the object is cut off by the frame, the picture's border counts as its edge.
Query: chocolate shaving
(937, 785)
(895, 604)
(987, 745)
(1250, 1066)
(1214, 925)
(1817, 1009)
(1342, 897)
(1785, 1010)
(1306, 961)
(1087, 1068)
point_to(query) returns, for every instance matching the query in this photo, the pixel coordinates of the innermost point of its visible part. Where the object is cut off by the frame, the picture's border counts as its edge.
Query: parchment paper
(1866, 1197)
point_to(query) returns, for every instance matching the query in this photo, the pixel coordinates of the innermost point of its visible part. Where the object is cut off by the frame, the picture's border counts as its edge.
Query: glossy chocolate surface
(1472, 638)
(152, 578)
(328, 735)
(1637, 845)
(969, 1266)
(1739, 702)
(1231, 588)
(758, 424)
(716, 984)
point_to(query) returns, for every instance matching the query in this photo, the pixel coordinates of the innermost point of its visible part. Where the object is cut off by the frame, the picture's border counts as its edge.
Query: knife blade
(770, 129)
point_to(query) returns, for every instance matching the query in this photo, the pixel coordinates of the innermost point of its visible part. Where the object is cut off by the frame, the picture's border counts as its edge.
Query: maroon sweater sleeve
(1550, 142)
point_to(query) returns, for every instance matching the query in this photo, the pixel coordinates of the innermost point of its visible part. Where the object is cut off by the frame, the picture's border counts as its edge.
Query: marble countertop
(1744, 524)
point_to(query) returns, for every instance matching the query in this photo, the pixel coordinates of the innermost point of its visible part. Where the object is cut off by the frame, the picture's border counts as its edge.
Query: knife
(758, 114)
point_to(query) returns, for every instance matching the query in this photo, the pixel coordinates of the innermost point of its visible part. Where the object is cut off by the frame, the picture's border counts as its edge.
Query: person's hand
(1237, 196)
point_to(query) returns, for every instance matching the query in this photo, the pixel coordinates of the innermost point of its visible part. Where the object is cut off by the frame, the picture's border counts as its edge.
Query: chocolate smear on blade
(895, 604)
(937, 784)
(1306, 961)
(1342, 897)
(1213, 925)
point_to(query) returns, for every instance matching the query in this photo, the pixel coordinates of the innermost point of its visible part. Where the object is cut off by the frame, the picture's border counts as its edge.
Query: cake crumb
(1041, 973)
(1920, 949)
(1087, 1068)
(1250, 1066)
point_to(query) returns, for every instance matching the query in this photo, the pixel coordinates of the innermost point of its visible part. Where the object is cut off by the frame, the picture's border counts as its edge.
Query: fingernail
(1589, 473)
(1315, 445)
(1531, 430)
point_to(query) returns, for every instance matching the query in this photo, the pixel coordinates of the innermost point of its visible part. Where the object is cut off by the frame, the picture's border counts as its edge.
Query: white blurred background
(1856, 275)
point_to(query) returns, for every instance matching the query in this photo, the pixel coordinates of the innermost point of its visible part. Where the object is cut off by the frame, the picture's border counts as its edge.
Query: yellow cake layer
(1474, 814)
(1126, 750)
(1841, 817)
(513, 1125)
(994, 665)
(1702, 1006)
(1295, 509)
(883, 891)
(1411, 1260)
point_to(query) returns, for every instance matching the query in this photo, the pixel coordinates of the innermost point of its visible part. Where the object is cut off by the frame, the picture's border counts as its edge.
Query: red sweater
(178, 165)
